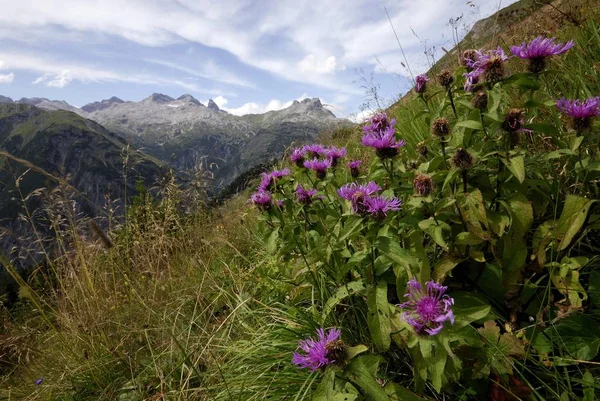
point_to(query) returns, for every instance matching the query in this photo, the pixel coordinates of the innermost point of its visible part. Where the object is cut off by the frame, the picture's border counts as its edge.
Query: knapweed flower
(297, 156)
(262, 200)
(468, 58)
(440, 127)
(334, 154)
(513, 121)
(488, 66)
(319, 166)
(314, 150)
(445, 78)
(462, 159)
(480, 100)
(426, 311)
(581, 111)
(421, 83)
(378, 206)
(358, 194)
(354, 165)
(327, 349)
(379, 122)
(538, 50)
(384, 142)
(305, 196)
(268, 180)
(423, 185)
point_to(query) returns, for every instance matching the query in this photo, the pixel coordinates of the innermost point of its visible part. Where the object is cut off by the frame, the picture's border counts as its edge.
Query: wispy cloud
(7, 78)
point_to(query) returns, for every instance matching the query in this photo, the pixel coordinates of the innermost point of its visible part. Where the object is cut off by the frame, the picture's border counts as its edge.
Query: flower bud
(440, 127)
(462, 159)
(423, 185)
(422, 149)
(480, 100)
(445, 78)
(513, 121)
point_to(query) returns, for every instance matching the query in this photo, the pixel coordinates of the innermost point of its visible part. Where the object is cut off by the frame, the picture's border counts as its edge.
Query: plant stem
(452, 102)
(465, 179)
(443, 143)
(485, 138)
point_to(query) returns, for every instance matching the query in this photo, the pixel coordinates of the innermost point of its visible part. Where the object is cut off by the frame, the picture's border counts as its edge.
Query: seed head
(423, 185)
(445, 78)
(462, 159)
(480, 100)
(440, 127)
(513, 122)
(422, 149)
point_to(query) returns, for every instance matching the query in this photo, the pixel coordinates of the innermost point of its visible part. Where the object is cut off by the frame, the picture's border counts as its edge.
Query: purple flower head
(318, 166)
(421, 83)
(384, 142)
(581, 111)
(319, 352)
(335, 154)
(378, 206)
(355, 164)
(314, 150)
(39, 381)
(303, 195)
(541, 47)
(488, 65)
(262, 199)
(268, 180)
(358, 195)
(473, 80)
(297, 156)
(379, 122)
(426, 311)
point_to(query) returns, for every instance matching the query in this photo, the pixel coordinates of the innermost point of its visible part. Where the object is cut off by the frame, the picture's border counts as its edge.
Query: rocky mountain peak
(159, 98)
(5, 99)
(213, 106)
(190, 99)
(101, 105)
(33, 100)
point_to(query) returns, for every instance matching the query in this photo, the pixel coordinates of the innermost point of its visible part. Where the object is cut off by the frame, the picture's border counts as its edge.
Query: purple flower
(335, 154)
(358, 195)
(581, 111)
(262, 199)
(379, 122)
(268, 180)
(488, 65)
(427, 311)
(378, 206)
(538, 49)
(297, 156)
(314, 150)
(318, 166)
(317, 353)
(421, 83)
(39, 381)
(384, 142)
(303, 195)
(355, 164)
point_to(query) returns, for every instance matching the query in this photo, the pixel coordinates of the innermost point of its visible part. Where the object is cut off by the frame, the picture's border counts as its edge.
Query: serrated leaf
(378, 316)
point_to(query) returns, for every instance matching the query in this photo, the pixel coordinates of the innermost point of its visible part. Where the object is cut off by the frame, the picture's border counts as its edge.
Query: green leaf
(398, 393)
(352, 226)
(474, 213)
(547, 129)
(578, 335)
(572, 219)
(467, 238)
(325, 390)
(393, 251)
(271, 244)
(557, 154)
(341, 293)
(356, 350)
(363, 372)
(378, 318)
(497, 352)
(594, 288)
(435, 231)
(471, 124)
(445, 266)
(468, 308)
(516, 165)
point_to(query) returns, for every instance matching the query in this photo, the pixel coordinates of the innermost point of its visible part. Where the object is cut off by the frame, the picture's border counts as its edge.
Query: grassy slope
(194, 308)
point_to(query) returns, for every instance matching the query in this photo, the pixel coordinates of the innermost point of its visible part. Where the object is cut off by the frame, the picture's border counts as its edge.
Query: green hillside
(467, 269)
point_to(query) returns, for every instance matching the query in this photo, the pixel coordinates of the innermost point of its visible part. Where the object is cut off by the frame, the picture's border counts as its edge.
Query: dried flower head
(423, 185)
(422, 149)
(538, 50)
(462, 159)
(445, 78)
(440, 127)
(427, 310)
(421, 83)
(327, 349)
(480, 100)
(513, 121)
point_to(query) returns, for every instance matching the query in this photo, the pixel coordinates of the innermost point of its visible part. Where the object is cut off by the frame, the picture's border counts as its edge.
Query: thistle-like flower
(378, 206)
(305, 195)
(354, 168)
(318, 166)
(462, 159)
(423, 185)
(379, 122)
(581, 111)
(489, 66)
(480, 100)
(268, 180)
(513, 121)
(468, 58)
(327, 349)
(427, 311)
(445, 78)
(440, 127)
(421, 83)
(334, 154)
(262, 200)
(314, 150)
(538, 50)
(358, 194)
(384, 142)
(297, 156)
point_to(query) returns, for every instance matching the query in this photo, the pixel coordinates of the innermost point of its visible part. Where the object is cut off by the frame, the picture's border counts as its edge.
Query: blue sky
(247, 55)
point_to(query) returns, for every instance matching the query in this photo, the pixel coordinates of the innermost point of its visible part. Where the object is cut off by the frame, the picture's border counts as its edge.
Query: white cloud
(7, 78)
(258, 108)
(310, 64)
(220, 101)
(59, 80)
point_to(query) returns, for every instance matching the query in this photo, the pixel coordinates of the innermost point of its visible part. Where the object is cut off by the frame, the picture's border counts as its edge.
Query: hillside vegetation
(465, 266)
